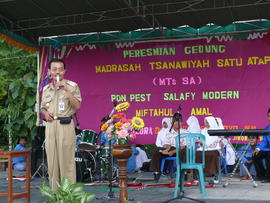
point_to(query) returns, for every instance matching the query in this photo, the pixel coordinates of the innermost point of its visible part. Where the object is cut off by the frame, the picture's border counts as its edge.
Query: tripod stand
(42, 166)
(110, 193)
(239, 162)
(177, 117)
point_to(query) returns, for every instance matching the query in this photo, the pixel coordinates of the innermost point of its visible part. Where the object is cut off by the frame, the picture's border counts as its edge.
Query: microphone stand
(111, 192)
(110, 174)
(177, 117)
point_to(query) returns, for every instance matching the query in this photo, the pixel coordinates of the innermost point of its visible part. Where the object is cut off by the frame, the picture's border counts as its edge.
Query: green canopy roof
(237, 29)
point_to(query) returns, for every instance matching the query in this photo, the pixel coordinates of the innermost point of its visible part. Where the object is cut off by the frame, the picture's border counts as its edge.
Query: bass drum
(85, 166)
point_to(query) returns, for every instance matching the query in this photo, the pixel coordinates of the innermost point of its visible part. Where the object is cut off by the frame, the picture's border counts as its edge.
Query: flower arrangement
(119, 127)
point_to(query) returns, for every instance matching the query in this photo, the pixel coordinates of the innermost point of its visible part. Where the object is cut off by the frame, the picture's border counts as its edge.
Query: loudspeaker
(37, 151)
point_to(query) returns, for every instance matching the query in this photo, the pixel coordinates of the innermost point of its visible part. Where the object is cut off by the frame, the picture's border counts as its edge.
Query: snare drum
(88, 138)
(105, 152)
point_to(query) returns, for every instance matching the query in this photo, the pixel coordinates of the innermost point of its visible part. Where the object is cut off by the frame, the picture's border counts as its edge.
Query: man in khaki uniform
(60, 99)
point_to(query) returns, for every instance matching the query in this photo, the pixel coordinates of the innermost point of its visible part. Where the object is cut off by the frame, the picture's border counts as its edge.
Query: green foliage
(149, 149)
(17, 93)
(66, 193)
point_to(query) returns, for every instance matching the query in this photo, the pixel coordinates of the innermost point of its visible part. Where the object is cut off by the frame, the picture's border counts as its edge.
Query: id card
(61, 106)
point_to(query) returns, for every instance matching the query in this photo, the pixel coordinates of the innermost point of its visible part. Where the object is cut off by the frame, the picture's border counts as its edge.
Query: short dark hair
(22, 138)
(56, 60)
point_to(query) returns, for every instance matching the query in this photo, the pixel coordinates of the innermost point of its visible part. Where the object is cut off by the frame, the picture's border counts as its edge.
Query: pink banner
(214, 76)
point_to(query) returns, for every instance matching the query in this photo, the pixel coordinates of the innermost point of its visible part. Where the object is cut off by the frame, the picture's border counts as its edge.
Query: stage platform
(237, 191)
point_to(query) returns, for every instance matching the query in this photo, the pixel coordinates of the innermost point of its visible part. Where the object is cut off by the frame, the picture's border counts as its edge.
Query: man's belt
(64, 120)
(60, 118)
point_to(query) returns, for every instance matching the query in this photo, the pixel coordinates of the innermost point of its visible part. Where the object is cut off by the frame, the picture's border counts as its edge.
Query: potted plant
(67, 192)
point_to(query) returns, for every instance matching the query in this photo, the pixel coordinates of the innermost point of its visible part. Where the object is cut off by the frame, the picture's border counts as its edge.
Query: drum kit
(92, 160)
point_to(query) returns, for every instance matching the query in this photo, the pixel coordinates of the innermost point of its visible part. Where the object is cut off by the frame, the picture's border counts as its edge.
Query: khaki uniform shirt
(57, 101)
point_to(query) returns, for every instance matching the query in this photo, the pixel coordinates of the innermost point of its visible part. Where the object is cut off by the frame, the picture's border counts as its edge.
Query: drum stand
(90, 174)
(111, 193)
(238, 164)
(42, 166)
(110, 196)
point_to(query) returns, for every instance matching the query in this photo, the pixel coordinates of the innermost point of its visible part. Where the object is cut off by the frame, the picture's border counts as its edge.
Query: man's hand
(61, 85)
(256, 151)
(49, 116)
(75, 103)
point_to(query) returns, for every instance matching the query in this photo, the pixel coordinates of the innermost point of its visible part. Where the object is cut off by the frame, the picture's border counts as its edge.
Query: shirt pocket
(47, 101)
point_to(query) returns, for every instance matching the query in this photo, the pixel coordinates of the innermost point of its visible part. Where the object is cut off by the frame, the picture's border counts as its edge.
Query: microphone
(177, 117)
(179, 108)
(58, 79)
(114, 102)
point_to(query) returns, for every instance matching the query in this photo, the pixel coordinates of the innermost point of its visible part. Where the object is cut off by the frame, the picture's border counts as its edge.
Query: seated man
(141, 158)
(247, 159)
(261, 152)
(19, 163)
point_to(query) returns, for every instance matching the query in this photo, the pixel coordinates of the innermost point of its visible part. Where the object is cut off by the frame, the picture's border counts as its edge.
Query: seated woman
(166, 126)
(193, 127)
(213, 144)
(226, 151)
(247, 159)
(167, 150)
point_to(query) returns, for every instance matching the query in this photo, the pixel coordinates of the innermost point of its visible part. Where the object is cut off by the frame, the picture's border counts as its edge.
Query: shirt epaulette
(71, 83)
(45, 87)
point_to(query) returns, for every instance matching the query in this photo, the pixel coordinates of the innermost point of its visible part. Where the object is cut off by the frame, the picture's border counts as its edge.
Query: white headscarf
(230, 154)
(168, 121)
(219, 122)
(193, 125)
(212, 142)
(212, 122)
(162, 133)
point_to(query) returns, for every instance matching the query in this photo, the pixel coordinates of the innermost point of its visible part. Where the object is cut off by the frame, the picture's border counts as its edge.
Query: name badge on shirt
(61, 106)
